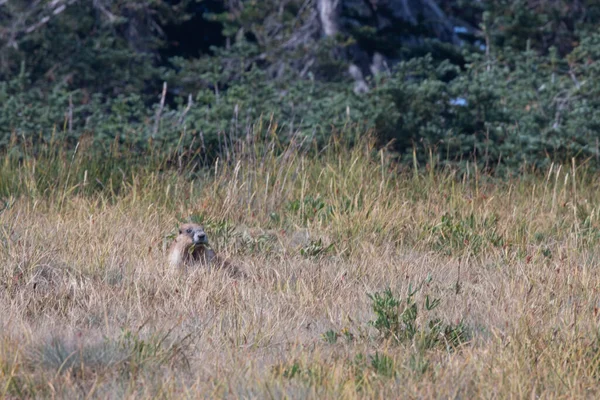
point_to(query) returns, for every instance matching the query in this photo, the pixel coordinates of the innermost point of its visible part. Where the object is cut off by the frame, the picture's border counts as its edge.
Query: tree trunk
(328, 14)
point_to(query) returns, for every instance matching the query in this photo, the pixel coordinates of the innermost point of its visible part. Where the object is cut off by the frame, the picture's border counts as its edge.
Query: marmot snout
(195, 232)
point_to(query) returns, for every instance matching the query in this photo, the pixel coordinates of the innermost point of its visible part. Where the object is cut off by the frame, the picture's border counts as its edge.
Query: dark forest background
(503, 83)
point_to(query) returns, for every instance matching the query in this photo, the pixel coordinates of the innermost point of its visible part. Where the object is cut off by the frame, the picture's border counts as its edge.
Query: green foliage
(331, 336)
(291, 371)
(509, 115)
(546, 23)
(383, 365)
(408, 322)
(397, 319)
(220, 231)
(470, 234)
(97, 47)
(310, 209)
(315, 249)
(528, 96)
(312, 375)
(385, 307)
(378, 364)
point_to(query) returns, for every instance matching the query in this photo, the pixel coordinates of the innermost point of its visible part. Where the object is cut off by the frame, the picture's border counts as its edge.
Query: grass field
(493, 283)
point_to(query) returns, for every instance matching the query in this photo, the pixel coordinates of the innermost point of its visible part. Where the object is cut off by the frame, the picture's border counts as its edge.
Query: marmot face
(190, 246)
(195, 232)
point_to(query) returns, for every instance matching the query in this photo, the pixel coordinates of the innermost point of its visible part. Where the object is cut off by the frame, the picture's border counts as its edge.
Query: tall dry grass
(89, 308)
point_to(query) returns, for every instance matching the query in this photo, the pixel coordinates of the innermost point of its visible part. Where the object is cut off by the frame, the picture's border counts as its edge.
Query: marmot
(191, 247)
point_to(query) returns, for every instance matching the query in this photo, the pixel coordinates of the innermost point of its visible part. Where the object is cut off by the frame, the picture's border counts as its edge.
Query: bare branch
(160, 110)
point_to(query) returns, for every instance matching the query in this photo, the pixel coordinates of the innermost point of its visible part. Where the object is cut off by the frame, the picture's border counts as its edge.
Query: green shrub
(503, 110)
(397, 319)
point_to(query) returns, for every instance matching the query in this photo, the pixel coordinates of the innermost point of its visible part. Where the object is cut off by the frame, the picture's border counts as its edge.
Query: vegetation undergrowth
(363, 276)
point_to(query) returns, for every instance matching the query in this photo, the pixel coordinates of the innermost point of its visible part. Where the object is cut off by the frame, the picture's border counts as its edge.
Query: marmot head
(194, 232)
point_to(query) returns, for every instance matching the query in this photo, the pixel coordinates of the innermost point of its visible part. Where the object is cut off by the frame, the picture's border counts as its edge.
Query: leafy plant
(472, 234)
(385, 306)
(311, 209)
(383, 365)
(331, 336)
(397, 319)
(315, 248)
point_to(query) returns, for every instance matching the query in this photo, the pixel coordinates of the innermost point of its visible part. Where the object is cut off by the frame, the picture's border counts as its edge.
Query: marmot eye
(189, 231)
(180, 231)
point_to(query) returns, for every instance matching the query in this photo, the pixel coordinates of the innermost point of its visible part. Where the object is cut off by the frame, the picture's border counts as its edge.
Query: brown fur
(191, 248)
